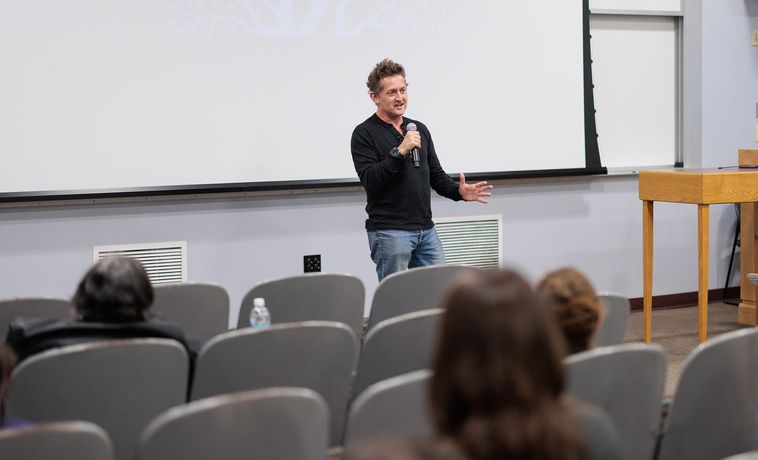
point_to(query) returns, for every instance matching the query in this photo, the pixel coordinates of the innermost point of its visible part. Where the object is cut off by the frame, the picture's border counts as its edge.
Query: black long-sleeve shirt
(398, 194)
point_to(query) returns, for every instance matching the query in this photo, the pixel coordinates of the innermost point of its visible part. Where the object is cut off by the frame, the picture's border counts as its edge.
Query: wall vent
(475, 241)
(164, 262)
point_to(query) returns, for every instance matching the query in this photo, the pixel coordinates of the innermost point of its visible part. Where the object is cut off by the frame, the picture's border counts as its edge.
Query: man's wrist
(395, 153)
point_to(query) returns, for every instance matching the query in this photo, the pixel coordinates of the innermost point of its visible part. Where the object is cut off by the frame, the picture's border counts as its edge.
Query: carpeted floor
(676, 330)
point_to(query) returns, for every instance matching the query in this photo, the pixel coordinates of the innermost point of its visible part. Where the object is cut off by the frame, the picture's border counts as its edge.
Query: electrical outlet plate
(755, 37)
(756, 133)
(312, 263)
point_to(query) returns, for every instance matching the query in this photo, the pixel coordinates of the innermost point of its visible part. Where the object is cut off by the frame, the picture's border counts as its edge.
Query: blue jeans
(396, 250)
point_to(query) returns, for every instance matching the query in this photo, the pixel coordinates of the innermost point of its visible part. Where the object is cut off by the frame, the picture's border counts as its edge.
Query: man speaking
(395, 160)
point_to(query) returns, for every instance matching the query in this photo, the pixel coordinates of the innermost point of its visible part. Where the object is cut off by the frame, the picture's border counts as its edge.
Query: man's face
(392, 100)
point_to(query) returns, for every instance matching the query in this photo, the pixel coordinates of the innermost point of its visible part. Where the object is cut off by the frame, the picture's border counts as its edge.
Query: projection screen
(115, 95)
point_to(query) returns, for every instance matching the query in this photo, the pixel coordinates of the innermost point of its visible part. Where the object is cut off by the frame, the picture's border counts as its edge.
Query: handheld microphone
(414, 152)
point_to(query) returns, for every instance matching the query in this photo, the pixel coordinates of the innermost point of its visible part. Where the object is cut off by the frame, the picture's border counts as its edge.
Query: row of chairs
(235, 360)
(323, 356)
(712, 416)
(272, 423)
(203, 309)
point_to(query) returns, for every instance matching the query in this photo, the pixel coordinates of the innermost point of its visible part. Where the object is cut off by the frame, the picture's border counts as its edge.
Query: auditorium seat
(411, 290)
(398, 345)
(395, 407)
(56, 441)
(319, 355)
(120, 385)
(627, 382)
(274, 423)
(309, 297)
(713, 413)
(201, 309)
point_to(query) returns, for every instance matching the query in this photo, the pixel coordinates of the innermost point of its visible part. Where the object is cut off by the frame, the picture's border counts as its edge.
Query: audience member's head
(575, 303)
(7, 363)
(114, 290)
(498, 373)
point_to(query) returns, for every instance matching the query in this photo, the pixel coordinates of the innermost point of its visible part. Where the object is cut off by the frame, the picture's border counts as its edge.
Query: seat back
(275, 423)
(714, 412)
(752, 455)
(627, 382)
(56, 441)
(119, 385)
(319, 355)
(201, 309)
(613, 327)
(395, 407)
(32, 307)
(309, 297)
(411, 290)
(397, 346)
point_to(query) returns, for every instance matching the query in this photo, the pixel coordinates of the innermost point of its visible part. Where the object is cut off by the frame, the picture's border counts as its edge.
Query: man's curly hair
(384, 68)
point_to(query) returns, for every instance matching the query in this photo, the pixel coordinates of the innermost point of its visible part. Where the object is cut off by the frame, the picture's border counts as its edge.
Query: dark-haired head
(116, 289)
(498, 373)
(575, 304)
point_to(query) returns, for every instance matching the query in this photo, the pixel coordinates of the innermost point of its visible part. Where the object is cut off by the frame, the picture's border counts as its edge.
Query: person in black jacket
(112, 302)
(396, 162)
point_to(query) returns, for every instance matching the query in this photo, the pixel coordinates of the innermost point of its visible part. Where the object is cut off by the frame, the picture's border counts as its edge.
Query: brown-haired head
(575, 304)
(114, 290)
(498, 373)
(7, 363)
(384, 68)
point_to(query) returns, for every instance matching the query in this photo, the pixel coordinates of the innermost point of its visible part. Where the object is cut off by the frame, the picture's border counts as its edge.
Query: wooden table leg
(647, 266)
(702, 270)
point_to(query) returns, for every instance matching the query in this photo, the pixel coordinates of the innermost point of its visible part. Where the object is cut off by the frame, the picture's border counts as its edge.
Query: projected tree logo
(302, 18)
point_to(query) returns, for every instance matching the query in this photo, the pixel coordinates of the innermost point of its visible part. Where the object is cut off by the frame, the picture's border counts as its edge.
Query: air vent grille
(164, 262)
(475, 241)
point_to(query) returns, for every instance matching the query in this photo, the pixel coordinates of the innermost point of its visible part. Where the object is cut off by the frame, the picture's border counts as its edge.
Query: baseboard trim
(684, 299)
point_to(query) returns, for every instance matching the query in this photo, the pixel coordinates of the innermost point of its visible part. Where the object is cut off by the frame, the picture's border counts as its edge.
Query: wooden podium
(702, 187)
(748, 246)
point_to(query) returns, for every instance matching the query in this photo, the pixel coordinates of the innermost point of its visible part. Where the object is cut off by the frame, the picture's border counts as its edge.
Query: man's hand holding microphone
(411, 143)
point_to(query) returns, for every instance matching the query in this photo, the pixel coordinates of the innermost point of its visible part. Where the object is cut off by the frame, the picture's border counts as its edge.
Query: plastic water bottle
(260, 318)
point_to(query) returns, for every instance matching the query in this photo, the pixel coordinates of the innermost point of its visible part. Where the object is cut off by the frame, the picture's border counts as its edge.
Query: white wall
(729, 92)
(730, 78)
(593, 223)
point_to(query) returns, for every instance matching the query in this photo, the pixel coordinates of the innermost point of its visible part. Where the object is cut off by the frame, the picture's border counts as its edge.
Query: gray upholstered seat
(412, 290)
(310, 297)
(396, 346)
(56, 441)
(613, 327)
(274, 423)
(752, 455)
(319, 355)
(201, 309)
(395, 407)
(627, 382)
(33, 307)
(120, 385)
(714, 413)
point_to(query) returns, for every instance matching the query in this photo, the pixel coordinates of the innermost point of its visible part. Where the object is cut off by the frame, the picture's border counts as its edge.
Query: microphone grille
(411, 127)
